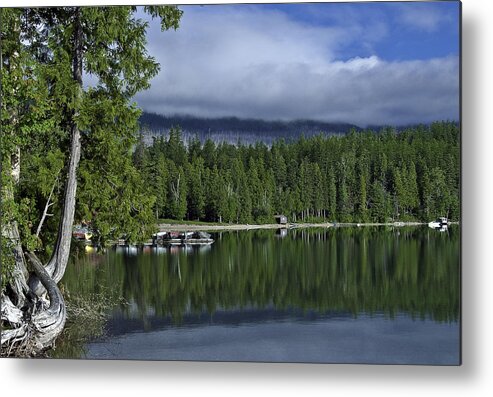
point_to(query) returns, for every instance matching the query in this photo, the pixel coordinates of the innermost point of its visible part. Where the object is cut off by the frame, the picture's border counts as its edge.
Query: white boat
(441, 224)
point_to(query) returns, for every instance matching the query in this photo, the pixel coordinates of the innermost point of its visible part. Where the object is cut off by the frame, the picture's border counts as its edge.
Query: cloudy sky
(362, 63)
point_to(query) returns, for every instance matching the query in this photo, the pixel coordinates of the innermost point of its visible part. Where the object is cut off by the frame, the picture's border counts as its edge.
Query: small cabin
(281, 219)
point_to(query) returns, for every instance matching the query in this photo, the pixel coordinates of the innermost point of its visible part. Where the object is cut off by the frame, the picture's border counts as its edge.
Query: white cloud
(248, 63)
(424, 17)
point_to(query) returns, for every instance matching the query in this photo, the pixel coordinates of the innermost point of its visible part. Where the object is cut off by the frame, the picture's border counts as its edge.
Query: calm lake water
(340, 295)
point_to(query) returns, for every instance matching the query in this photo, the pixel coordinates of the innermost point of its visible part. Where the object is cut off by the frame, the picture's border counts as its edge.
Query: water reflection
(352, 270)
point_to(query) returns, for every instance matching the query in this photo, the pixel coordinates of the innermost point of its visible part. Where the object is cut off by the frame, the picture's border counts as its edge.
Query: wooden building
(281, 219)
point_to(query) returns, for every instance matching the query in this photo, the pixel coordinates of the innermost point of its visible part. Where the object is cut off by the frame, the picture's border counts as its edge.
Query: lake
(339, 295)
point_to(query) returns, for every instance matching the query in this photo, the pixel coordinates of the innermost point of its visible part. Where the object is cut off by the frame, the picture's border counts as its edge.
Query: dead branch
(48, 205)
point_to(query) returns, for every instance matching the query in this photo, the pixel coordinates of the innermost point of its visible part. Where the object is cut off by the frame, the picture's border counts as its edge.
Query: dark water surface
(345, 295)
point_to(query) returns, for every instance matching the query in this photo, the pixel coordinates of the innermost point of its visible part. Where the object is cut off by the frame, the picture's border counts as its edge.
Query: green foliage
(360, 177)
(196, 191)
(42, 98)
(7, 261)
(177, 193)
(7, 209)
(87, 317)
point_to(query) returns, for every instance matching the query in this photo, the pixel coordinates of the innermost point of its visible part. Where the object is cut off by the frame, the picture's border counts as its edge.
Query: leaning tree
(58, 133)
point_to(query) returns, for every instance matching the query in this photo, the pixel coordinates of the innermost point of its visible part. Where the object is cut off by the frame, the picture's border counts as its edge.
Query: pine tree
(175, 149)
(378, 202)
(399, 193)
(159, 184)
(177, 193)
(332, 195)
(362, 204)
(317, 195)
(412, 188)
(196, 191)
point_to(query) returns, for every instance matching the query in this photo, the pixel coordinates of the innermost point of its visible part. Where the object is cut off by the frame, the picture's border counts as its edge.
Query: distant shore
(182, 227)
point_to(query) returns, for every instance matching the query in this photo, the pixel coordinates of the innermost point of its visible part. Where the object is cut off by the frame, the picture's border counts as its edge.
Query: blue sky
(362, 63)
(403, 31)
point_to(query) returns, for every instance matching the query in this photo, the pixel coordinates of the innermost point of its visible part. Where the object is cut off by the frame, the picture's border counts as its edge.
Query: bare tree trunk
(19, 273)
(58, 262)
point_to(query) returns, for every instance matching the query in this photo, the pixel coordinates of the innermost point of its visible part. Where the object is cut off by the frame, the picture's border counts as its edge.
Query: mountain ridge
(234, 129)
(249, 131)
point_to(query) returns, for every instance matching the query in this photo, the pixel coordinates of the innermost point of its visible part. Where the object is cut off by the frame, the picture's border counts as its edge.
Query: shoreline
(184, 227)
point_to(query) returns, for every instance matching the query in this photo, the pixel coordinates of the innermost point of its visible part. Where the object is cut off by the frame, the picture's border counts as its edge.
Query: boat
(183, 238)
(82, 233)
(439, 224)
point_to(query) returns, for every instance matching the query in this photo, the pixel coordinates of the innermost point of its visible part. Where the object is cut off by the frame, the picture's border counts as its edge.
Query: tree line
(360, 177)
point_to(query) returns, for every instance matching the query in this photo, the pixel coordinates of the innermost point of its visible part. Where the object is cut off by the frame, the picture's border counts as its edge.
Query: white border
(474, 378)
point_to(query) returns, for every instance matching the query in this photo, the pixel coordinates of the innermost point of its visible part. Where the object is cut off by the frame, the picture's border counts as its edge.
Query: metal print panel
(235, 182)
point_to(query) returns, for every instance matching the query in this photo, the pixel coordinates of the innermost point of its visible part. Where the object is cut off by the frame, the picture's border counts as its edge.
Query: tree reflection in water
(356, 270)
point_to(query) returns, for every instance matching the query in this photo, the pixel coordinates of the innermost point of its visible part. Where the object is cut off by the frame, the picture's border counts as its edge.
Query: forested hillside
(233, 129)
(361, 177)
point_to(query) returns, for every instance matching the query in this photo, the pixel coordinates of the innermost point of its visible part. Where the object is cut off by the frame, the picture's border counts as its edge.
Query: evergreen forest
(364, 176)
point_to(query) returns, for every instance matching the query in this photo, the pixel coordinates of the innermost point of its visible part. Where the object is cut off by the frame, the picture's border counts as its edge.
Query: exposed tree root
(33, 330)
